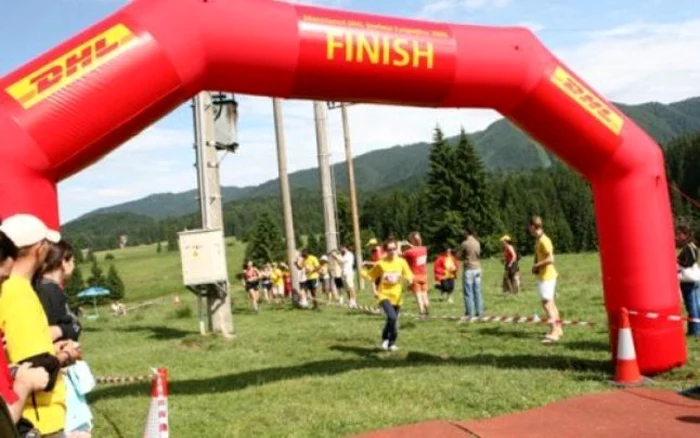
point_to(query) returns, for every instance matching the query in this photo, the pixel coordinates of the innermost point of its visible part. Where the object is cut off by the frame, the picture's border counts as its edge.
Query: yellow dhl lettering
(71, 66)
(588, 100)
(375, 49)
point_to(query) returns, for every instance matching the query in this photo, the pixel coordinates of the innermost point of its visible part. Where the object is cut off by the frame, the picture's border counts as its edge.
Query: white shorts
(349, 281)
(546, 289)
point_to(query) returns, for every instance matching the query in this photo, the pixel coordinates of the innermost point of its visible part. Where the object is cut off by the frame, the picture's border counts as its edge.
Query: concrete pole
(219, 298)
(331, 230)
(353, 194)
(285, 192)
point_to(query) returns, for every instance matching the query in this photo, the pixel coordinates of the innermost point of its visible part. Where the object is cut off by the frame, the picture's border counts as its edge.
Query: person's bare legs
(553, 315)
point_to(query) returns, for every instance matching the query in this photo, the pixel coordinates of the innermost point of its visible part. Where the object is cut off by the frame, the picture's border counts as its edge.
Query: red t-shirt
(417, 258)
(377, 254)
(508, 255)
(6, 382)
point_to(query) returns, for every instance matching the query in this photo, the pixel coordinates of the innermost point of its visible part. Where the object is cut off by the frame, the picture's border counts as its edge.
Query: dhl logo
(70, 67)
(588, 100)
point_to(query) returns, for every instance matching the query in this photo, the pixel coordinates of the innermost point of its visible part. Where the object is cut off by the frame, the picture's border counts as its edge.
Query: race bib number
(421, 260)
(391, 277)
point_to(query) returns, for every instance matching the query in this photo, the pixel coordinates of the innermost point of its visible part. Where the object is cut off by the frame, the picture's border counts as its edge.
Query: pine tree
(443, 223)
(97, 278)
(344, 219)
(74, 286)
(114, 283)
(79, 257)
(472, 195)
(159, 248)
(172, 241)
(266, 243)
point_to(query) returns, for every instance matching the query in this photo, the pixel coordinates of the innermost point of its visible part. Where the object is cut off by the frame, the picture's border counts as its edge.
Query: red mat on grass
(620, 414)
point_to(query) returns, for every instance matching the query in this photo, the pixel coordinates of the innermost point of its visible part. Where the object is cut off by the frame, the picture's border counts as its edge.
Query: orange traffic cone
(157, 422)
(626, 370)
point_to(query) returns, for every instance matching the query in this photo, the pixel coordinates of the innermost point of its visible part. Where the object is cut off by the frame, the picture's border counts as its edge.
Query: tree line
(457, 191)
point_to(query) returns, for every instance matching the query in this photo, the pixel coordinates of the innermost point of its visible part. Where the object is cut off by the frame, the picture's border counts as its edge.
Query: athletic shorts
(349, 281)
(338, 282)
(546, 289)
(251, 285)
(447, 285)
(327, 284)
(420, 284)
(311, 285)
(266, 285)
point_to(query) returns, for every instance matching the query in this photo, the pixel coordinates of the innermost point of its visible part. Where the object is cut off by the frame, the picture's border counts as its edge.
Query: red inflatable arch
(76, 103)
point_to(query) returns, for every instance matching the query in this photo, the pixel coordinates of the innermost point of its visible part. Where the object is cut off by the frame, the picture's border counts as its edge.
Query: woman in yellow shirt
(388, 274)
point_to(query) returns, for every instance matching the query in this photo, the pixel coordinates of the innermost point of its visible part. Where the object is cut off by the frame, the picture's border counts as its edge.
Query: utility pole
(324, 171)
(218, 298)
(351, 187)
(285, 192)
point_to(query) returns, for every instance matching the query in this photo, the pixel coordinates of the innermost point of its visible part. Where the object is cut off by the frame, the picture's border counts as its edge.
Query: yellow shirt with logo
(26, 328)
(311, 265)
(391, 274)
(543, 249)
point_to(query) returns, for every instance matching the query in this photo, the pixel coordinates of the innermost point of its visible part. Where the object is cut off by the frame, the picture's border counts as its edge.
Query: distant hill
(502, 146)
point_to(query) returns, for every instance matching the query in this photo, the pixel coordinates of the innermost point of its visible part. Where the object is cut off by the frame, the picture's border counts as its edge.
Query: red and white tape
(479, 319)
(654, 315)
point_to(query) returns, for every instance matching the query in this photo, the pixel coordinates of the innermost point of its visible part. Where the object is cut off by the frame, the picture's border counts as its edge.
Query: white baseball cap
(26, 230)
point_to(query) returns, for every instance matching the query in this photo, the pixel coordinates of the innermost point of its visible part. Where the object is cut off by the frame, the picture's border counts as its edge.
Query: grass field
(309, 373)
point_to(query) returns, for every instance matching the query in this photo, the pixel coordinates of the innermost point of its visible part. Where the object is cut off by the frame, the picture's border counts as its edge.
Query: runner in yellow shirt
(311, 267)
(546, 277)
(389, 273)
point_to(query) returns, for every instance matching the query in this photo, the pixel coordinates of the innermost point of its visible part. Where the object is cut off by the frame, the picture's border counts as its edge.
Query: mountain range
(502, 146)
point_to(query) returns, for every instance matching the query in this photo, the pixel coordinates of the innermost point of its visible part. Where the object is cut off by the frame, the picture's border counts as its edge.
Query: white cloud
(641, 62)
(436, 8)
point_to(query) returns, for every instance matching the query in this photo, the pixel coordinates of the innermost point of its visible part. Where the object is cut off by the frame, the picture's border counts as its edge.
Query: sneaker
(393, 348)
(385, 345)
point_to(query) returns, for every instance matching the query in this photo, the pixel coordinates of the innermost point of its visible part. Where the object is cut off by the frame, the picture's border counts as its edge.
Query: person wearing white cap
(24, 323)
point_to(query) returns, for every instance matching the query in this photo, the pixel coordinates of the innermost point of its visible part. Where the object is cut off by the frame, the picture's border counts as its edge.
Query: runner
(417, 258)
(546, 277)
(445, 271)
(266, 281)
(251, 276)
(376, 254)
(389, 273)
(311, 268)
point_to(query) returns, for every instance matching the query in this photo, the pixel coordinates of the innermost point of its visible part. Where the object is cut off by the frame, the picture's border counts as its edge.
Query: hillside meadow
(297, 373)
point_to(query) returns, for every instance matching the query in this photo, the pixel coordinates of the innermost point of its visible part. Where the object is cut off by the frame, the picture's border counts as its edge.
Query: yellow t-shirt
(23, 320)
(450, 268)
(276, 277)
(391, 274)
(311, 264)
(543, 248)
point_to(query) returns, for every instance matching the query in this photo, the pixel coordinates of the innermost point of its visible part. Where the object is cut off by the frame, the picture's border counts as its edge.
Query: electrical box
(203, 256)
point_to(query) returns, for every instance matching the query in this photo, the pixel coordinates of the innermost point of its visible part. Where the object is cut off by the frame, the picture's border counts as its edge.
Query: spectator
(511, 276)
(689, 275)
(27, 379)
(64, 325)
(470, 253)
(27, 333)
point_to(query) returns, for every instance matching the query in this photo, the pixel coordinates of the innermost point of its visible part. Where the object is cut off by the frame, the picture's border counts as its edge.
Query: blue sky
(631, 51)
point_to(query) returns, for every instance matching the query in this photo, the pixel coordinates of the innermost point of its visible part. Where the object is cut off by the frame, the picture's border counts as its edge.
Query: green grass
(299, 373)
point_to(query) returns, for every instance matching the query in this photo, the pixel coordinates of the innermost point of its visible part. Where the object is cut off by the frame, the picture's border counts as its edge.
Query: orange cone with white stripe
(157, 422)
(627, 369)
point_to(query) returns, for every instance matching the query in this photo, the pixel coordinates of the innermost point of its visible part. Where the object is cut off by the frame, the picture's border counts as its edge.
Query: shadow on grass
(160, 333)
(499, 332)
(368, 359)
(587, 345)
